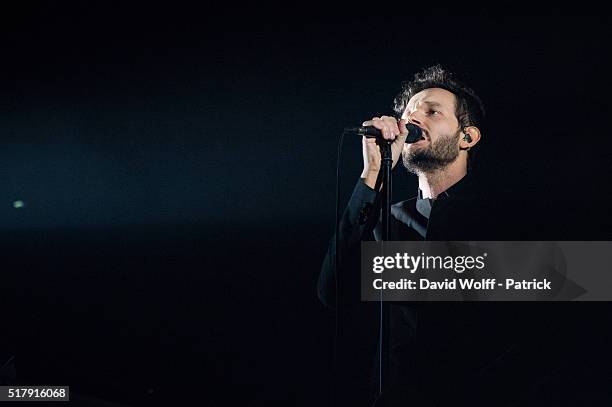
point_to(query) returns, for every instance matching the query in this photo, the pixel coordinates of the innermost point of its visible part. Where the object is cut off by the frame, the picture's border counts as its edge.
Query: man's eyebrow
(430, 104)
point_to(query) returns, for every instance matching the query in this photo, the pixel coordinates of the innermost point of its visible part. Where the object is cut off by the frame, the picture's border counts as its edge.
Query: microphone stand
(387, 165)
(384, 178)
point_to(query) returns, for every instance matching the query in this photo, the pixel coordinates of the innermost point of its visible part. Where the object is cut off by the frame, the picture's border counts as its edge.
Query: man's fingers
(375, 122)
(386, 124)
(392, 126)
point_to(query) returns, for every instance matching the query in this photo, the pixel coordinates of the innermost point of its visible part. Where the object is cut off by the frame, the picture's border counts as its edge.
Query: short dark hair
(469, 109)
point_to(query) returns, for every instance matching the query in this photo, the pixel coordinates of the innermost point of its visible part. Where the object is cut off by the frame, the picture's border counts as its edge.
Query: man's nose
(413, 118)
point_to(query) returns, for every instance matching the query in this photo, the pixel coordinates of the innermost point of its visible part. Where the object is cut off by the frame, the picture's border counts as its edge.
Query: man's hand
(392, 131)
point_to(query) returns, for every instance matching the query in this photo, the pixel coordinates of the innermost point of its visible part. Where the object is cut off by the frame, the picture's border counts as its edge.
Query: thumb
(403, 129)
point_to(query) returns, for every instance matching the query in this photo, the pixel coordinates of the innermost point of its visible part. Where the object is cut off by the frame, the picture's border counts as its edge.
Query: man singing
(467, 353)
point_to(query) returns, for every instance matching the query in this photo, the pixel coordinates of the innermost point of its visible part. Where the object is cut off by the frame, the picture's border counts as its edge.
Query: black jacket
(449, 353)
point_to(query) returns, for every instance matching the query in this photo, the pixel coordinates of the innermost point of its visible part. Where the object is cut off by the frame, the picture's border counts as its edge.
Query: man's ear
(469, 137)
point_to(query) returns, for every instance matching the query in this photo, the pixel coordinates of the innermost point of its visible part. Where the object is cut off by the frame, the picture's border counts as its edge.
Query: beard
(435, 157)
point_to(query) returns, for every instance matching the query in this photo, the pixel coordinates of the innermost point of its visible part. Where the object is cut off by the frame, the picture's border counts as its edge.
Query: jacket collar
(424, 205)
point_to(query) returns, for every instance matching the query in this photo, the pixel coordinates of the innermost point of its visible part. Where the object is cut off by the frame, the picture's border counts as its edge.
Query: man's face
(433, 110)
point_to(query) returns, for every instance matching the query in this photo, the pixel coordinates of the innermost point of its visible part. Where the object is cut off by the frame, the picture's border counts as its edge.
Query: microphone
(414, 132)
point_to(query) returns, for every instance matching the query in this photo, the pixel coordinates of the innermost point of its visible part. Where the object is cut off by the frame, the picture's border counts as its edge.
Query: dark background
(177, 173)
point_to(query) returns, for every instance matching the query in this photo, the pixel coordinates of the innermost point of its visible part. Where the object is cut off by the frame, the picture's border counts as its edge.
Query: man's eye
(433, 112)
